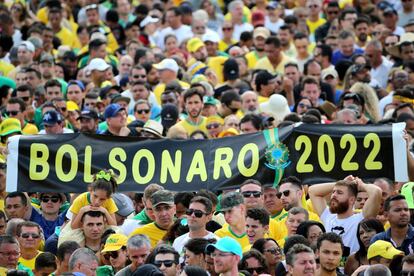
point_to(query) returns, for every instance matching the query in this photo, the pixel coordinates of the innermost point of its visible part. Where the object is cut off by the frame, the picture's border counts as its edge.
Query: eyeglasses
(259, 270)
(255, 194)
(27, 235)
(211, 126)
(167, 263)
(274, 251)
(407, 273)
(46, 199)
(142, 111)
(285, 193)
(111, 254)
(139, 76)
(11, 112)
(302, 105)
(197, 213)
(10, 254)
(227, 29)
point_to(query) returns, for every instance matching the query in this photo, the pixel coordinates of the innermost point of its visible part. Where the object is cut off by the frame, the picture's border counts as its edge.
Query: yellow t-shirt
(160, 88)
(6, 68)
(265, 64)
(190, 127)
(222, 46)
(30, 129)
(252, 58)
(278, 216)
(29, 263)
(314, 25)
(152, 231)
(84, 200)
(278, 230)
(216, 64)
(68, 38)
(225, 231)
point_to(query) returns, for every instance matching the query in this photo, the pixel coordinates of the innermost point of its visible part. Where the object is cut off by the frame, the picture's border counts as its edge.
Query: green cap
(407, 191)
(209, 100)
(162, 197)
(230, 200)
(105, 270)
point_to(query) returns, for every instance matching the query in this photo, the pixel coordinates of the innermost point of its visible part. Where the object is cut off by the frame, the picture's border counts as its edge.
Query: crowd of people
(206, 69)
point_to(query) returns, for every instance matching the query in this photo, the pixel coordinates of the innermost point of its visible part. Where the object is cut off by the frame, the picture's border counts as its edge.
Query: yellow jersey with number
(152, 231)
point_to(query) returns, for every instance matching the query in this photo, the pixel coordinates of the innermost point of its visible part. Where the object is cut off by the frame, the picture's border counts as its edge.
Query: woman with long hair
(271, 251)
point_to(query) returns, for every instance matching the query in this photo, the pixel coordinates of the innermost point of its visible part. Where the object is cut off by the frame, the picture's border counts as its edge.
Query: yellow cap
(115, 242)
(215, 119)
(229, 132)
(383, 249)
(106, 83)
(194, 44)
(9, 126)
(72, 106)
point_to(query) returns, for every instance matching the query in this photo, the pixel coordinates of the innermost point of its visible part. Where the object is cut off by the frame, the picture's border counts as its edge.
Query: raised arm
(373, 203)
(317, 194)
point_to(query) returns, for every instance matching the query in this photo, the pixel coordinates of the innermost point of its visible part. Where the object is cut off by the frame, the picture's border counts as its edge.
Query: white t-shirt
(130, 225)
(238, 29)
(183, 239)
(346, 228)
(182, 33)
(274, 26)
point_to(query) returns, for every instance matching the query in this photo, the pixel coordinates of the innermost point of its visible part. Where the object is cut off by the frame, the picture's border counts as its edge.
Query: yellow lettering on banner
(245, 171)
(347, 165)
(198, 166)
(222, 163)
(143, 153)
(370, 163)
(301, 166)
(73, 169)
(326, 166)
(87, 165)
(118, 165)
(38, 161)
(168, 166)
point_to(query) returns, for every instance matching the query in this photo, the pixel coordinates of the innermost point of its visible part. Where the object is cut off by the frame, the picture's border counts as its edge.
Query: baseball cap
(194, 44)
(148, 269)
(88, 114)
(9, 126)
(28, 45)
(383, 249)
(407, 192)
(210, 100)
(167, 64)
(148, 20)
(169, 115)
(272, 5)
(389, 10)
(212, 37)
(356, 68)
(162, 197)
(262, 32)
(153, 127)
(98, 64)
(124, 204)
(225, 244)
(258, 18)
(52, 117)
(214, 119)
(112, 109)
(98, 36)
(230, 200)
(115, 242)
(329, 72)
(119, 98)
(47, 58)
(72, 106)
(231, 69)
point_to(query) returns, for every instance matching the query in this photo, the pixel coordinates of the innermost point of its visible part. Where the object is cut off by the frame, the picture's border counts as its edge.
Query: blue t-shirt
(47, 226)
(337, 55)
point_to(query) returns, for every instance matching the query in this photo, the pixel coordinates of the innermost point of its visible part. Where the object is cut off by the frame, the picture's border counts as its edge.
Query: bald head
(250, 103)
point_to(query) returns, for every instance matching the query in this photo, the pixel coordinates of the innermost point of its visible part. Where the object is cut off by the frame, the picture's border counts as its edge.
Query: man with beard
(89, 121)
(300, 261)
(226, 254)
(260, 34)
(361, 73)
(339, 217)
(329, 249)
(285, 36)
(250, 103)
(361, 26)
(400, 233)
(193, 101)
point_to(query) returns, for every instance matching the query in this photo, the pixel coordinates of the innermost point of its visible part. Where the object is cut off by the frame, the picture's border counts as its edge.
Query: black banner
(313, 153)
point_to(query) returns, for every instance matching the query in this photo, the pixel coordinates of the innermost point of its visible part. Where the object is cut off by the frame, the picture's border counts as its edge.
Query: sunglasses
(197, 213)
(302, 105)
(11, 112)
(285, 193)
(46, 199)
(27, 235)
(273, 251)
(211, 126)
(111, 254)
(258, 270)
(139, 76)
(255, 194)
(25, 99)
(143, 111)
(333, 12)
(167, 263)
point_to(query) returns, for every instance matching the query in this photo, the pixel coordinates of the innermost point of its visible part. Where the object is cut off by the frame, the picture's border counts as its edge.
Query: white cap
(98, 35)
(97, 64)
(211, 36)
(329, 72)
(167, 64)
(147, 20)
(28, 45)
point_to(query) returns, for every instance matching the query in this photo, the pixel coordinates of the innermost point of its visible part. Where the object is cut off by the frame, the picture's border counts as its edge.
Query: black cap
(389, 10)
(356, 68)
(169, 115)
(88, 114)
(231, 69)
(263, 78)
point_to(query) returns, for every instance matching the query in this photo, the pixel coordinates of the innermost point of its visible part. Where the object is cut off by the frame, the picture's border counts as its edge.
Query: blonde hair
(370, 97)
